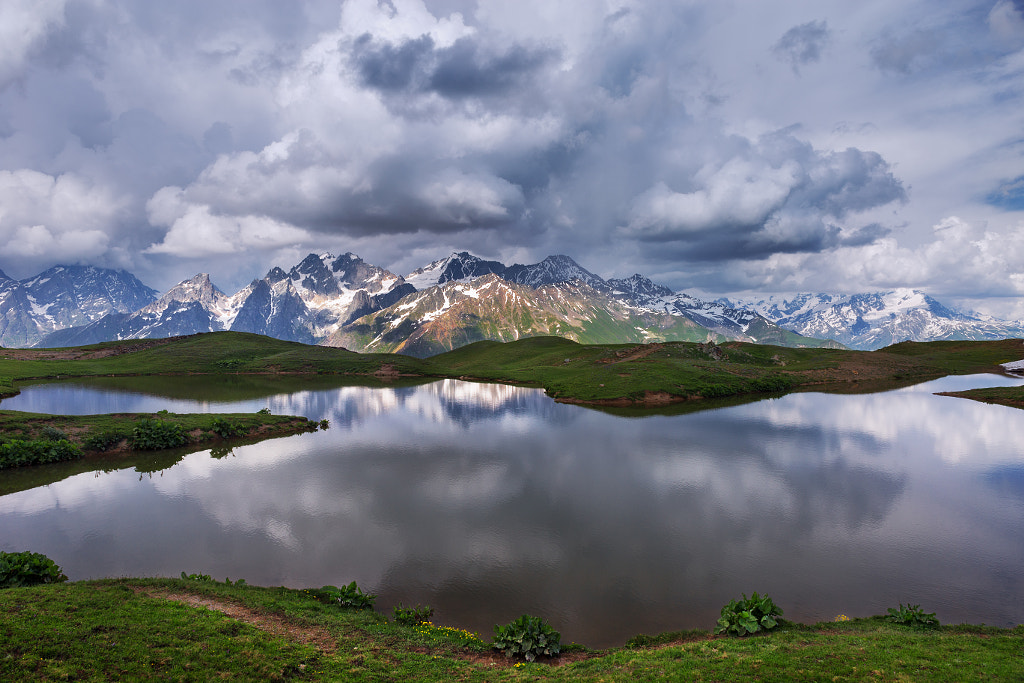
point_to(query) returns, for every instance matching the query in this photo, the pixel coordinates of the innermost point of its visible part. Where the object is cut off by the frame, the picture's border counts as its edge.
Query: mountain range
(344, 301)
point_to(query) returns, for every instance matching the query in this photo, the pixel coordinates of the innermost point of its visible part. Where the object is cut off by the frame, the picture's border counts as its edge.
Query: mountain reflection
(487, 501)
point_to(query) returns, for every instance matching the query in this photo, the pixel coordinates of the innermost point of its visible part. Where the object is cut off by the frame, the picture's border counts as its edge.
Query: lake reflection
(488, 501)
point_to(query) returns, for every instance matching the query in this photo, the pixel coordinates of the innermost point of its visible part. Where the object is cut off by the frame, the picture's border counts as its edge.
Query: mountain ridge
(346, 301)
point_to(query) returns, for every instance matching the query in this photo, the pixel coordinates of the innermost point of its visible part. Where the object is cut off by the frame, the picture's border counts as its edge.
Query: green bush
(196, 577)
(346, 596)
(28, 569)
(51, 433)
(103, 441)
(17, 452)
(411, 616)
(527, 637)
(912, 615)
(749, 615)
(226, 429)
(151, 435)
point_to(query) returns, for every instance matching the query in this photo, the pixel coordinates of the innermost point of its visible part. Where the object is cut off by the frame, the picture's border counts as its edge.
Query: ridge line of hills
(460, 299)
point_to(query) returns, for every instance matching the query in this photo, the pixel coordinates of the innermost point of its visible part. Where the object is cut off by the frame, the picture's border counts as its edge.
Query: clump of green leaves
(226, 429)
(263, 411)
(51, 433)
(151, 435)
(196, 577)
(411, 616)
(18, 452)
(528, 637)
(749, 615)
(325, 423)
(912, 615)
(103, 441)
(28, 569)
(346, 596)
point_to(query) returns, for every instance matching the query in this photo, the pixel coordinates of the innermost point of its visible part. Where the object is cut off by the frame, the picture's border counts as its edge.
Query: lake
(490, 501)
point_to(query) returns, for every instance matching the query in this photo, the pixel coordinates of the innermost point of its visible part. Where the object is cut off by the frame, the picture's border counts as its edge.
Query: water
(489, 501)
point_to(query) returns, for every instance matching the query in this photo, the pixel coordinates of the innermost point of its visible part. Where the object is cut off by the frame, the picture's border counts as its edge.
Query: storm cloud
(704, 146)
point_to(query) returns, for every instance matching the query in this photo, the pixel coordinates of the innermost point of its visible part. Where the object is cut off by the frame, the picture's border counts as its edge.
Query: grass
(1005, 396)
(128, 629)
(15, 425)
(614, 374)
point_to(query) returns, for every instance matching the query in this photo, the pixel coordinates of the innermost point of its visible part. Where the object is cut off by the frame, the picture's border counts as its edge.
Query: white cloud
(22, 24)
(196, 232)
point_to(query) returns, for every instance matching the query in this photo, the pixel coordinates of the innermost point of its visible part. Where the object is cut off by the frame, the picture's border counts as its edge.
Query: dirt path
(316, 636)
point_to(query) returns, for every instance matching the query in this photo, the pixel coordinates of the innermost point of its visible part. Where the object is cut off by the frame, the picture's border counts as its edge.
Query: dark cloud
(778, 195)
(803, 44)
(463, 69)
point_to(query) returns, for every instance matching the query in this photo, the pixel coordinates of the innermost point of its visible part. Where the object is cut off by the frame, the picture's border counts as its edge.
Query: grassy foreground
(644, 374)
(187, 630)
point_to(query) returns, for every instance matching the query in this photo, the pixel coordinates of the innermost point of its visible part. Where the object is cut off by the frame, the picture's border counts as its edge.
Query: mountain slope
(65, 296)
(457, 313)
(872, 321)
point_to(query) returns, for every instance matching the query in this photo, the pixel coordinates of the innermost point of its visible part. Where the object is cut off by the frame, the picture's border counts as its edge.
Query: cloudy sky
(719, 146)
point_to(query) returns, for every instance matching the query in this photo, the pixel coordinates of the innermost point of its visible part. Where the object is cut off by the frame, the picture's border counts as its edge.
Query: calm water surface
(489, 501)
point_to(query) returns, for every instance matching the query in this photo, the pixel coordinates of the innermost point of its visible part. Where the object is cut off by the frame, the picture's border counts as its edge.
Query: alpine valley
(344, 301)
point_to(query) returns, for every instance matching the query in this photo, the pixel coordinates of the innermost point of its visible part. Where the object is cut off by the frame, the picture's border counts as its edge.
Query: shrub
(325, 423)
(151, 435)
(411, 616)
(28, 569)
(346, 596)
(225, 428)
(912, 615)
(17, 452)
(527, 637)
(51, 433)
(263, 411)
(103, 440)
(749, 615)
(196, 577)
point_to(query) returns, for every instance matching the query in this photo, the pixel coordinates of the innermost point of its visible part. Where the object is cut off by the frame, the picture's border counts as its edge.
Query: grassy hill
(621, 374)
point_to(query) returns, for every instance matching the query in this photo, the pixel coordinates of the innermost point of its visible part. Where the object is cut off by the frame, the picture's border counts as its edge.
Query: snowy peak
(314, 275)
(552, 270)
(354, 273)
(873, 320)
(638, 288)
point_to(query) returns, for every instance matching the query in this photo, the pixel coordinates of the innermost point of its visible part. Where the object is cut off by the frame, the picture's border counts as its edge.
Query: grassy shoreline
(600, 375)
(174, 629)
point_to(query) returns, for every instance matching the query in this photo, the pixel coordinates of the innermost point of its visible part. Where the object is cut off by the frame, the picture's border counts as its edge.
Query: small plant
(325, 423)
(196, 577)
(17, 452)
(102, 441)
(28, 569)
(528, 637)
(226, 429)
(51, 433)
(749, 615)
(346, 596)
(263, 411)
(912, 615)
(411, 616)
(151, 435)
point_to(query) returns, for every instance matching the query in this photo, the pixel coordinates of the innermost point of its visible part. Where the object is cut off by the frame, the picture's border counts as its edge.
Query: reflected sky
(487, 501)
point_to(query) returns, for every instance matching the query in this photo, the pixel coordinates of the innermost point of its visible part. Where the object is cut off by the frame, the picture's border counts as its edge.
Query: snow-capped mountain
(463, 266)
(457, 300)
(871, 321)
(459, 312)
(734, 323)
(309, 302)
(65, 296)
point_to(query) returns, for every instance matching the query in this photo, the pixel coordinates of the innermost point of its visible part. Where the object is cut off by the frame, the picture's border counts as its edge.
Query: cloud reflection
(487, 501)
